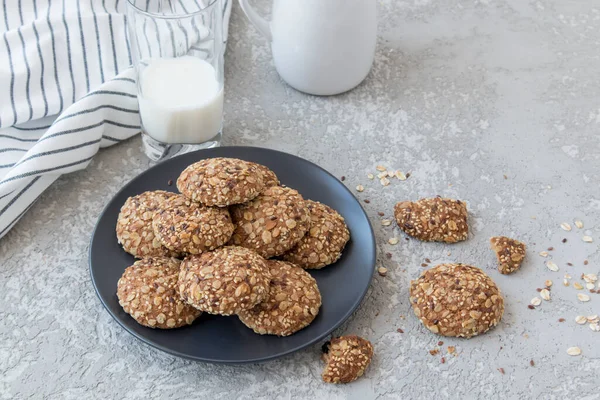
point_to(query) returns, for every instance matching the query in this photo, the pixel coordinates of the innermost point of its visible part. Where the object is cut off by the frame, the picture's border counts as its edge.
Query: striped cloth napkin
(66, 89)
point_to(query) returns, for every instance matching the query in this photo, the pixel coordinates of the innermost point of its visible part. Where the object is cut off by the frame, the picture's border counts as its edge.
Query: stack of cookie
(212, 248)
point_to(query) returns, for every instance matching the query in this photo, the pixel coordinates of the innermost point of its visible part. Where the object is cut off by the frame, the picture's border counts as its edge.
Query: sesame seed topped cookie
(323, 243)
(293, 302)
(221, 181)
(434, 219)
(148, 292)
(134, 225)
(347, 358)
(456, 300)
(225, 281)
(188, 227)
(269, 177)
(272, 223)
(510, 253)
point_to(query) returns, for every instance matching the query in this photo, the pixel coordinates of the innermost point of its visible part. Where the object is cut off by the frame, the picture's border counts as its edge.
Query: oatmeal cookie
(225, 281)
(347, 358)
(269, 177)
(221, 181)
(510, 253)
(148, 292)
(456, 300)
(185, 226)
(323, 243)
(293, 302)
(134, 225)
(272, 223)
(433, 220)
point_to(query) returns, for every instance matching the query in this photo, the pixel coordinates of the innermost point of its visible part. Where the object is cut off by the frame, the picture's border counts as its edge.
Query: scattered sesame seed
(393, 240)
(587, 239)
(400, 175)
(536, 301)
(548, 283)
(384, 181)
(382, 271)
(386, 222)
(359, 188)
(544, 253)
(583, 297)
(579, 224)
(577, 286)
(565, 227)
(371, 176)
(380, 168)
(552, 266)
(581, 320)
(573, 351)
(545, 294)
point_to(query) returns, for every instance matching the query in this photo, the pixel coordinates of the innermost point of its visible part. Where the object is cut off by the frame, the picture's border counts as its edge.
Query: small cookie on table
(433, 219)
(456, 300)
(347, 358)
(510, 253)
(148, 292)
(293, 302)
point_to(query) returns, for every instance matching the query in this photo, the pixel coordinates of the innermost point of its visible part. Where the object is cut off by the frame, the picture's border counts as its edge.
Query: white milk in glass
(181, 100)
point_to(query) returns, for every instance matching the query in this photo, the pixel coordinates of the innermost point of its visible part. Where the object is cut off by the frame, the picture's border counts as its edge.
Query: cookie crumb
(399, 330)
(343, 178)
(532, 363)
(501, 370)
(170, 182)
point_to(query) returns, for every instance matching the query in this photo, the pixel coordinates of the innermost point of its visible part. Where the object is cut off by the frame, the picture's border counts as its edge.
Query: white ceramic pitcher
(321, 47)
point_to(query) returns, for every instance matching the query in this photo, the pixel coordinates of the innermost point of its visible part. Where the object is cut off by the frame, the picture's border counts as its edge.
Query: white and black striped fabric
(66, 90)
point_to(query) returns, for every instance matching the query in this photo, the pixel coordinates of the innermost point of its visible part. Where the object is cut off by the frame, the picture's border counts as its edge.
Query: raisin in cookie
(134, 225)
(221, 181)
(510, 253)
(293, 303)
(433, 220)
(347, 358)
(456, 300)
(272, 223)
(226, 281)
(148, 292)
(323, 243)
(185, 226)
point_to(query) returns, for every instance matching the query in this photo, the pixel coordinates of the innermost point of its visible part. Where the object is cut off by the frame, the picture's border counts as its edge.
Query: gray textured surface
(462, 93)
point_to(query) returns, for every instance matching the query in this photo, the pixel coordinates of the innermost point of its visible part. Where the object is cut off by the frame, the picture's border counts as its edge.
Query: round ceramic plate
(225, 339)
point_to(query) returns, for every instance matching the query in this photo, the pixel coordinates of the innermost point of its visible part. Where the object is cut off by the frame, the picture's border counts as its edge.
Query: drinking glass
(177, 49)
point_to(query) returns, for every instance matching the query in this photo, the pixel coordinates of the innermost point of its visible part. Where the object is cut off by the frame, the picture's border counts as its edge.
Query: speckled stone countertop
(495, 102)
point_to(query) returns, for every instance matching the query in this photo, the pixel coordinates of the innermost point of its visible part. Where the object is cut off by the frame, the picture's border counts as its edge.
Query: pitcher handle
(259, 22)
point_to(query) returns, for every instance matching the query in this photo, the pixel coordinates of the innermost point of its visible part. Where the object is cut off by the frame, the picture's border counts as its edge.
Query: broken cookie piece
(510, 253)
(347, 358)
(433, 219)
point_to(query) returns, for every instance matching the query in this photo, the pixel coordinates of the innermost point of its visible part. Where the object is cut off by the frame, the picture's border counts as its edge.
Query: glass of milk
(177, 50)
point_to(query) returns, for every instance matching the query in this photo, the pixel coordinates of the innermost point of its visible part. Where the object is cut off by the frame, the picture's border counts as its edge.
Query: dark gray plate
(225, 339)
